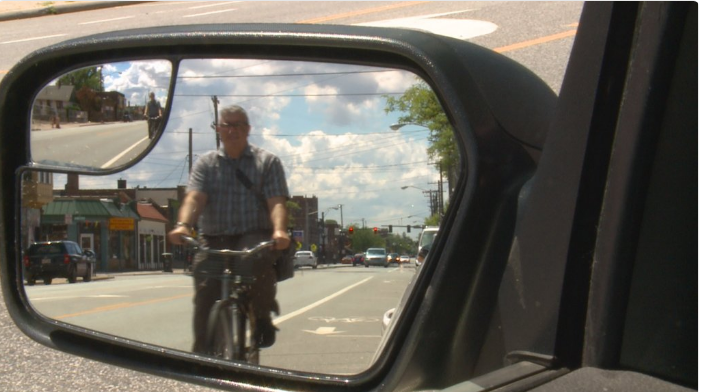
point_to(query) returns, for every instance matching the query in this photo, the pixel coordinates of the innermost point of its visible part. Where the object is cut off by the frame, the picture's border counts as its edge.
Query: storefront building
(152, 237)
(106, 227)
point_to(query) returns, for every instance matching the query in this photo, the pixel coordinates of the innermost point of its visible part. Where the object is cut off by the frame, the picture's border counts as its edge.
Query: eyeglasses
(231, 127)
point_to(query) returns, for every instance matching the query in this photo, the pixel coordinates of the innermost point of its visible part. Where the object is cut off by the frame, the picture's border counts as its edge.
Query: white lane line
(213, 5)
(113, 160)
(210, 13)
(33, 39)
(297, 312)
(107, 20)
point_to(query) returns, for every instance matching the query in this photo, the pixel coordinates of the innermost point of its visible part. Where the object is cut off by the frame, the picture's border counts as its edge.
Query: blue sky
(326, 122)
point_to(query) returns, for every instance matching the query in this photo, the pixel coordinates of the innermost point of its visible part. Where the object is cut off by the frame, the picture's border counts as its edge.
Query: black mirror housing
(499, 110)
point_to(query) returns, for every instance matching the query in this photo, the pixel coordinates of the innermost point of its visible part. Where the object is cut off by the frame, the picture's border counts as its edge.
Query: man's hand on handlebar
(175, 235)
(282, 239)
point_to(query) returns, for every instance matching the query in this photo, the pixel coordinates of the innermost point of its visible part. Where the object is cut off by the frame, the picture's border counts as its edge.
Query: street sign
(121, 224)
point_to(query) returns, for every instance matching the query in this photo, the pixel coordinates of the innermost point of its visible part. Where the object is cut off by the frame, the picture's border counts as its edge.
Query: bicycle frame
(228, 315)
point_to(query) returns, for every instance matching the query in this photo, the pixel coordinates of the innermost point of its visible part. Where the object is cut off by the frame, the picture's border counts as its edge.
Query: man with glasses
(237, 197)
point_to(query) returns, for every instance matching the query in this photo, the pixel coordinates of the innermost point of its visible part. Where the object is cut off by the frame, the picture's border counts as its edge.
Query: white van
(426, 240)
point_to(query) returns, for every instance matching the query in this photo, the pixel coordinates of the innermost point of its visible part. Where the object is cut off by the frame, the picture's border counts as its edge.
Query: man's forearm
(278, 213)
(192, 208)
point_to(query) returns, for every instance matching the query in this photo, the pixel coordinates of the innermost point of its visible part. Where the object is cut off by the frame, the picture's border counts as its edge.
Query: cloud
(326, 122)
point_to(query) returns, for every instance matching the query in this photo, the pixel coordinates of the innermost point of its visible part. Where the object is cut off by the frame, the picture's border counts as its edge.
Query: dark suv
(57, 259)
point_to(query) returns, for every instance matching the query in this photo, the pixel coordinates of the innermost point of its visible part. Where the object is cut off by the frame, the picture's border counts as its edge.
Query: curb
(65, 9)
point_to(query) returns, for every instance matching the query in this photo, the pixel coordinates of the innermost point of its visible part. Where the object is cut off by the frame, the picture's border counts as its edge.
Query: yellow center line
(362, 12)
(537, 41)
(123, 305)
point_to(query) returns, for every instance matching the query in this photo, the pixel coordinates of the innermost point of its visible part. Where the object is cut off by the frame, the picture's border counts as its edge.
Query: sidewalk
(46, 126)
(12, 10)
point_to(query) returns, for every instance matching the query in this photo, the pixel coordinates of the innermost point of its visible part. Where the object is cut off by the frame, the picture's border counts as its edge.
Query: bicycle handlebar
(193, 243)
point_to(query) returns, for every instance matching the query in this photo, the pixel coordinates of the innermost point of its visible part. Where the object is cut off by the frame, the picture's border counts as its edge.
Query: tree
(87, 99)
(291, 207)
(433, 220)
(362, 239)
(90, 77)
(420, 106)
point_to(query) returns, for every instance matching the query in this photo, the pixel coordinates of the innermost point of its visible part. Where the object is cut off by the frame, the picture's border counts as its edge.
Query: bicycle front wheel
(220, 333)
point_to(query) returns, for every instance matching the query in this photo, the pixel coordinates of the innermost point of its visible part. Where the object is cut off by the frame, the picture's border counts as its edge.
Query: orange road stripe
(2, 71)
(123, 305)
(362, 12)
(536, 41)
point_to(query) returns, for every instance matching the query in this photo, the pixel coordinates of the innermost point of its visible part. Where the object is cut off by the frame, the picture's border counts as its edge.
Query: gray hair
(233, 109)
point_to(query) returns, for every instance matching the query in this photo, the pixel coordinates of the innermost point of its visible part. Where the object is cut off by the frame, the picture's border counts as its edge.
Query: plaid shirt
(233, 209)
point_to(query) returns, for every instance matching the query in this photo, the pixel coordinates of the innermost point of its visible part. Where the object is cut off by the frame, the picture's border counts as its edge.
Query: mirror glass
(361, 149)
(94, 118)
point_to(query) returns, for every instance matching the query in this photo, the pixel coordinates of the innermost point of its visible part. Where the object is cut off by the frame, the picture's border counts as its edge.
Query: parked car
(305, 258)
(376, 256)
(358, 259)
(57, 259)
(347, 259)
(126, 117)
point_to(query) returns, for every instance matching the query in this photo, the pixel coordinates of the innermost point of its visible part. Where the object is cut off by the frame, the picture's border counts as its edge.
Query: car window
(427, 238)
(45, 249)
(318, 154)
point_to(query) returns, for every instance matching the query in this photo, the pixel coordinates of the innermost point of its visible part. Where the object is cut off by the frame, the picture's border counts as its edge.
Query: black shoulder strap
(249, 185)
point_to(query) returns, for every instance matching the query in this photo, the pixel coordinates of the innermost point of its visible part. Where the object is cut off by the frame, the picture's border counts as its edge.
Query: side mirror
(472, 91)
(423, 252)
(82, 119)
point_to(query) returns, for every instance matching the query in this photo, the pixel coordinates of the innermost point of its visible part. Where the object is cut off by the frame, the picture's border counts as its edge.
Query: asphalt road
(330, 321)
(120, 143)
(538, 35)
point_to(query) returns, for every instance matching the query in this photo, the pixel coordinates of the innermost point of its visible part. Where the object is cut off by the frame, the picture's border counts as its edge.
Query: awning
(58, 211)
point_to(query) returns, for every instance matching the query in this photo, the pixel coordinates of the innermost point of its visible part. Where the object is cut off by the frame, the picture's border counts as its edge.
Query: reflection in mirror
(95, 117)
(360, 147)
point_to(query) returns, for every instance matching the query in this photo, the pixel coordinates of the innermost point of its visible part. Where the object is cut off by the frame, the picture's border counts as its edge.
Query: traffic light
(390, 228)
(408, 228)
(374, 230)
(350, 230)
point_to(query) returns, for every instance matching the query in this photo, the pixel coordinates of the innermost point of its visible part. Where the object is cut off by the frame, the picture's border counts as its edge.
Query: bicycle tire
(245, 347)
(240, 324)
(220, 333)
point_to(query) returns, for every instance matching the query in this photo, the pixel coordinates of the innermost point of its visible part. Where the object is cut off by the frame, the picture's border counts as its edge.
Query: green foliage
(291, 208)
(420, 106)
(362, 239)
(433, 220)
(90, 77)
(403, 244)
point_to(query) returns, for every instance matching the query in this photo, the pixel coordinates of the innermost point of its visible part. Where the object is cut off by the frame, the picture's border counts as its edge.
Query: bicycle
(228, 325)
(152, 125)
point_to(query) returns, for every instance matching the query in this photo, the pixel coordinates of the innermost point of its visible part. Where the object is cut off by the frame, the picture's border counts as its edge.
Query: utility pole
(189, 152)
(215, 101)
(322, 228)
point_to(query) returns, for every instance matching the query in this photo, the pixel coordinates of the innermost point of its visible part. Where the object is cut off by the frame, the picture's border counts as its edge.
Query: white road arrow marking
(324, 331)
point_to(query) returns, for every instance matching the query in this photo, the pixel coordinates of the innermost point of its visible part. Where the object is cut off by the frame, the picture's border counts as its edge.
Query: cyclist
(238, 194)
(153, 114)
